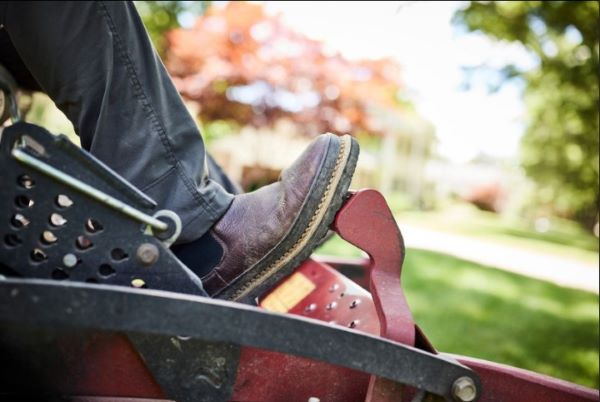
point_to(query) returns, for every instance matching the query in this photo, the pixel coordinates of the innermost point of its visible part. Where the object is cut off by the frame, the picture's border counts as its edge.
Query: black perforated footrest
(52, 229)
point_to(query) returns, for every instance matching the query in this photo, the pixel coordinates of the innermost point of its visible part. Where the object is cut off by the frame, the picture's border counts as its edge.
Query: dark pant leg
(95, 60)
(10, 60)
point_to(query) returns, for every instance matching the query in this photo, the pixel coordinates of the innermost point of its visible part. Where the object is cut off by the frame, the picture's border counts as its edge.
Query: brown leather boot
(267, 233)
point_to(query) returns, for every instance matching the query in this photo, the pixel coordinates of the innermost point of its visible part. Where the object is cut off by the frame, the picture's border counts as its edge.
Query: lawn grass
(470, 309)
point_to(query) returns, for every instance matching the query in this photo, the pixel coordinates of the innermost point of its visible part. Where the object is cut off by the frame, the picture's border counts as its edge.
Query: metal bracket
(189, 369)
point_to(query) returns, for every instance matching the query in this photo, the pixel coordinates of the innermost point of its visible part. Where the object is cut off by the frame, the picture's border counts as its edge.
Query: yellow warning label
(288, 294)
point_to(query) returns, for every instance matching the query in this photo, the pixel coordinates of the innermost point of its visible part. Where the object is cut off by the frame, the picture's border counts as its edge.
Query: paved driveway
(561, 271)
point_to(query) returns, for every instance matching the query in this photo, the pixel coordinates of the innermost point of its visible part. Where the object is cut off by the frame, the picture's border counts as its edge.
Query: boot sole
(325, 198)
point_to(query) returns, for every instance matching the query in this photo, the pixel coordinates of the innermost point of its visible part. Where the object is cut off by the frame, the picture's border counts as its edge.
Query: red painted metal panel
(270, 376)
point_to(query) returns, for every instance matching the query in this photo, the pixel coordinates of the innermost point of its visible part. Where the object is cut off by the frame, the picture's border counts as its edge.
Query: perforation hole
(25, 181)
(118, 254)
(354, 303)
(37, 255)
(59, 274)
(63, 201)
(106, 270)
(353, 323)
(93, 226)
(19, 221)
(138, 283)
(57, 220)
(12, 240)
(83, 243)
(22, 201)
(48, 237)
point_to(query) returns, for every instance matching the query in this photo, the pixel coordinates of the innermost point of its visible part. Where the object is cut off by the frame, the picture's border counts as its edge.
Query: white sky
(431, 50)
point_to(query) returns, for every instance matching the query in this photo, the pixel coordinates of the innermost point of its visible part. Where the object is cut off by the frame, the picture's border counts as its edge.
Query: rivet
(147, 254)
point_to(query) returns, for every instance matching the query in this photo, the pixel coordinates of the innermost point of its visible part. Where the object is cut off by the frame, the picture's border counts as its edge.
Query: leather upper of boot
(256, 222)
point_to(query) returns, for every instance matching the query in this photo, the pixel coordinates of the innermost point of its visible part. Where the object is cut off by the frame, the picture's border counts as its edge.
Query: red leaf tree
(238, 63)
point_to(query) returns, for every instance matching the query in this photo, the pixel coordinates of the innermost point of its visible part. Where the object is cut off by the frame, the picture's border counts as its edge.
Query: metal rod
(96, 194)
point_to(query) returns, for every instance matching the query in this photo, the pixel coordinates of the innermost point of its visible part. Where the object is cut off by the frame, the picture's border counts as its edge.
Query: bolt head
(464, 389)
(147, 254)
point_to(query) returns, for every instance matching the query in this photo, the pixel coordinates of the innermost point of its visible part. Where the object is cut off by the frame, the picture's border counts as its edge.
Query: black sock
(200, 255)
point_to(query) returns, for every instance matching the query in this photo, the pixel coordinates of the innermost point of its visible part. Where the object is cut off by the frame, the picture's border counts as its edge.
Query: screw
(147, 254)
(69, 260)
(464, 389)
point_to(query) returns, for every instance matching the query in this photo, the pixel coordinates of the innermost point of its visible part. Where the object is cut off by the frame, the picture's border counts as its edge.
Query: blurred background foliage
(239, 63)
(162, 16)
(560, 144)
